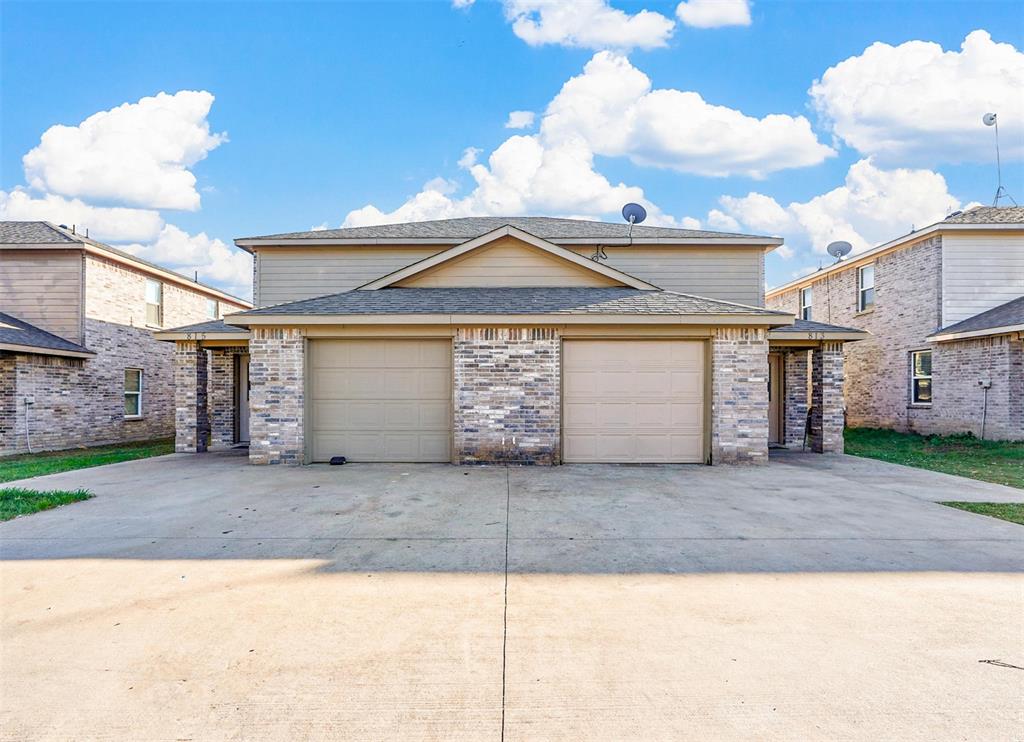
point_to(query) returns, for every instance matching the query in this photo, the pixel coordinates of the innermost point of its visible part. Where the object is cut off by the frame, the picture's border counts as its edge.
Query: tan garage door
(380, 400)
(633, 401)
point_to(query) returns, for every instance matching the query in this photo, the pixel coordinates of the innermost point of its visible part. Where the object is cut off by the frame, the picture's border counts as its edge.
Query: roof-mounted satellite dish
(634, 213)
(839, 249)
(989, 119)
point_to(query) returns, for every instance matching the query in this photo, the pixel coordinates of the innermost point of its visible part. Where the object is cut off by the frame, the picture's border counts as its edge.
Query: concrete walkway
(819, 597)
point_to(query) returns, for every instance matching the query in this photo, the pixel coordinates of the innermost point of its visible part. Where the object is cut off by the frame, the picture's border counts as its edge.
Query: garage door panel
(633, 401)
(380, 400)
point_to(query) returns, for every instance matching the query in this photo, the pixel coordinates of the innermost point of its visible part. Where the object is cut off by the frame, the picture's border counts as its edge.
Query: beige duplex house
(944, 307)
(78, 362)
(510, 339)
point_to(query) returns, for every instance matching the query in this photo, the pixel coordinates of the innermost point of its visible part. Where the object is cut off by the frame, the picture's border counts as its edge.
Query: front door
(242, 398)
(775, 398)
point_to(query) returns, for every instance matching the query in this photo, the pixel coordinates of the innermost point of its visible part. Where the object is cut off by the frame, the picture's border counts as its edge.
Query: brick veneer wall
(908, 298)
(8, 402)
(908, 301)
(796, 375)
(277, 359)
(827, 423)
(53, 383)
(507, 395)
(191, 378)
(739, 396)
(959, 400)
(81, 403)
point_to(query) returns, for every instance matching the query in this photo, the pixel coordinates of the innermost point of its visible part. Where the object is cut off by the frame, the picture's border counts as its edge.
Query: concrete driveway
(200, 598)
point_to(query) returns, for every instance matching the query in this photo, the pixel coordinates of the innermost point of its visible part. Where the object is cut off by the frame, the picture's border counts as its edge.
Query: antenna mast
(991, 119)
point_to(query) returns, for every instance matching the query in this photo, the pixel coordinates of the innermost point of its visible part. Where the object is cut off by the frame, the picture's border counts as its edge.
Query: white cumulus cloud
(520, 120)
(588, 24)
(613, 106)
(714, 13)
(137, 154)
(213, 260)
(916, 102)
(521, 176)
(872, 206)
(103, 222)
(610, 110)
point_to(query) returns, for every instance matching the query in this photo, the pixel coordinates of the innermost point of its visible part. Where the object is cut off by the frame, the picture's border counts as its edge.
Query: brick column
(276, 396)
(222, 395)
(739, 396)
(827, 419)
(795, 397)
(507, 400)
(191, 419)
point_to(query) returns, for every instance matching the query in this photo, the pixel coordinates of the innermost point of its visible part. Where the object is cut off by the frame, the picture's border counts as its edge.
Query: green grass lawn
(15, 501)
(52, 462)
(1011, 511)
(1001, 462)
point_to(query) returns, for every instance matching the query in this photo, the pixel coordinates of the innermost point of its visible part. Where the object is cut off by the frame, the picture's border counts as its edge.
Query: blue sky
(328, 108)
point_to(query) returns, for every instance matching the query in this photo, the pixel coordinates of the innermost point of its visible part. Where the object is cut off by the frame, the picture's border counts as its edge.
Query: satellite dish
(634, 213)
(989, 119)
(839, 249)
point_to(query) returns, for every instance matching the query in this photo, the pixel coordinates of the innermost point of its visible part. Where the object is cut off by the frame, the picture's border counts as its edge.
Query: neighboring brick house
(942, 306)
(78, 361)
(512, 339)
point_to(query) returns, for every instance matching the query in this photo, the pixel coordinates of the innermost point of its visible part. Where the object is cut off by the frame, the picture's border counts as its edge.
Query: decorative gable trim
(507, 231)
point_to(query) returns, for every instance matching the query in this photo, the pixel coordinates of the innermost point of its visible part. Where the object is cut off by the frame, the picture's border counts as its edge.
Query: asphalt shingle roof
(988, 215)
(580, 300)
(32, 233)
(1005, 315)
(214, 325)
(547, 228)
(14, 331)
(806, 325)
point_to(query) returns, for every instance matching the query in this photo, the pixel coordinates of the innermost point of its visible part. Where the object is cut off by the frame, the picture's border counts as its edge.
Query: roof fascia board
(35, 350)
(895, 244)
(941, 337)
(506, 231)
(289, 320)
(782, 337)
(171, 336)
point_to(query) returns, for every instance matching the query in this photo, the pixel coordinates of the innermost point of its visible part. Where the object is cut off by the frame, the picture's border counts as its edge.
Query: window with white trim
(154, 303)
(806, 300)
(921, 377)
(133, 392)
(212, 308)
(865, 287)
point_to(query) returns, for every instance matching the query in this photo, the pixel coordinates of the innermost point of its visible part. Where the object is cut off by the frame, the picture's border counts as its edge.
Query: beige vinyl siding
(44, 288)
(980, 272)
(290, 274)
(507, 262)
(727, 273)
